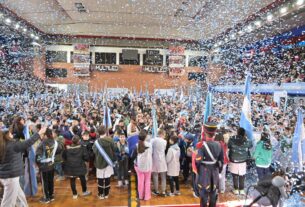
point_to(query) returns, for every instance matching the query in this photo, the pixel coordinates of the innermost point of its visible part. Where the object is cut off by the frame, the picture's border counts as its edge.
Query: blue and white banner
(298, 142)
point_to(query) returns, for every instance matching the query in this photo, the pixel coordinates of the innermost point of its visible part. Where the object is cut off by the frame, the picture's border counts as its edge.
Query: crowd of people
(152, 135)
(268, 67)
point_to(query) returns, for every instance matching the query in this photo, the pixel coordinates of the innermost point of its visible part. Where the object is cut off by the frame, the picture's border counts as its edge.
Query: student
(159, 166)
(122, 155)
(173, 165)
(74, 165)
(263, 156)
(45, 156)
(87, 144)
(11, 166)
(143, 166)
(239, 153)
(103, 169)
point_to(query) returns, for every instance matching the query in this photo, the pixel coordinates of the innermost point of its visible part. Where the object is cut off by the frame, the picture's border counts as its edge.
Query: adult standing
(103, 169)
(239, 152)
(210, 161)
(11, 166)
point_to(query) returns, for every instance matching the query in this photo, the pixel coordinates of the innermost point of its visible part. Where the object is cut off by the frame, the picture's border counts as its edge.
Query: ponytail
(141, 144)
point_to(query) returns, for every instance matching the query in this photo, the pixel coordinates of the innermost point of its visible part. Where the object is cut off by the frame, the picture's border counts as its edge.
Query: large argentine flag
(30, 184)
(155, 123)
(298, 142)
(245, 118)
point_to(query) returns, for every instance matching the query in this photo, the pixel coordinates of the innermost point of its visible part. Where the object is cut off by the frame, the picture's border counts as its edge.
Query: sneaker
(195, 195)
(75, 196)
(163, 194)
(45, 200)
(242, 192)
(52, 198)
(60, 178)
(235, 192)
(170, 194)
(87, 193)
(106, 197)
(120, 184)
(101, 197)
(177, 192)
(222, 192)
(155, 193)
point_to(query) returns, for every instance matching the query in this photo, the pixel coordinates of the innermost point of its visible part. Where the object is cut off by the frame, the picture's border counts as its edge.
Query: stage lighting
(300, 2)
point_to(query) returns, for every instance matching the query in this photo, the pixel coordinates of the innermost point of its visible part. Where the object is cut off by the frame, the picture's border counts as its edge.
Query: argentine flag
(208, 107)
(155, 123)
(298, 142)
(245, 118)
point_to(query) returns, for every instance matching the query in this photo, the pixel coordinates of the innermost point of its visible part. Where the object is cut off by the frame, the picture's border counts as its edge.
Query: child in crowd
(45, 157)
(75, 158)
(173, 165)
(122, 156)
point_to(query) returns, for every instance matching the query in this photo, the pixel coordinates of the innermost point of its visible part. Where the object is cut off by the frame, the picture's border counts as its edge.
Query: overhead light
(8, 20)
(36, 38)
(240, 32)
(283, 10)
(226, 39)
(17, 26)
(24, 29)
(299, 2)
(249, 28)
(232, 36)
(269, 17)
(32, 35)
(258, 23)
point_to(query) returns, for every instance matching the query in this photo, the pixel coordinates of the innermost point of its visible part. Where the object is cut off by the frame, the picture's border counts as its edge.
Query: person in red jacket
(222, 176)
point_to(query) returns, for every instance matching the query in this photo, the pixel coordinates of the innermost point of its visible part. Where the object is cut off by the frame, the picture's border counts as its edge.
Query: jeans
(48, 183)
(103, 186)
(174, 180)
(123, 170)
(262, 172)
(13, 194)
(156, 181)
(58, 169)
(82, 181)
(238, 182)
(206, 196)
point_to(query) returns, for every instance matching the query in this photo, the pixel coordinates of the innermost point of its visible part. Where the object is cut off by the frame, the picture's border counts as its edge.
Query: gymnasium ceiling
(168, 19)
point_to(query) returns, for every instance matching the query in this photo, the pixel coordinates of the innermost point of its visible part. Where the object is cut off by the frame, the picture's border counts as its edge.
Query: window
(56, 56)
(105, 58)
(129, 62)
(153, 59)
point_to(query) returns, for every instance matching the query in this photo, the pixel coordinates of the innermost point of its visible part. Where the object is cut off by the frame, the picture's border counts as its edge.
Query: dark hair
(102, 130)
(219, 137)
(3, 140)
(174, 139)
(75, 139)
(49, 133)
(141, 145)
(241, 132)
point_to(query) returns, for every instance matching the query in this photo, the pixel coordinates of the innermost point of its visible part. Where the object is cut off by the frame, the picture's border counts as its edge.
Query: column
(93, 58)
(186, 60)
(69, 56)
(164, 60)
(117, 58)
(141, 59)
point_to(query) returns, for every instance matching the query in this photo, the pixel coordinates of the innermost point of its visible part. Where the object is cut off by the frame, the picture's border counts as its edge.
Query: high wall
(129, 76)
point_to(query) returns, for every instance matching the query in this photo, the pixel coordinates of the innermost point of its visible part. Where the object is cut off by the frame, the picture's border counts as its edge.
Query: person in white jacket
(173, 165)
(159, 166)
(143, 165)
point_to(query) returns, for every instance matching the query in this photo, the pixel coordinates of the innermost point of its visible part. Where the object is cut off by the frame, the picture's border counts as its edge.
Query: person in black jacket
(45, 157)
(74, 165)
(11, 166)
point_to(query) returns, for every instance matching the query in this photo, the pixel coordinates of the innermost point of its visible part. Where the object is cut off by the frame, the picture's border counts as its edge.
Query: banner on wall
(81, 59)
(176, 61)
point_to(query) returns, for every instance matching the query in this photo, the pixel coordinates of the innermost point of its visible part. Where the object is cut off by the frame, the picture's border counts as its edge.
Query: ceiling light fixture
(232, 36)
(8, 20)
(300, 2)
(240, 32)
(249, 28)
(283, 10)
(258, 23)
(24, 29)
(269, 17)
(36, 38)
(17, 26)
